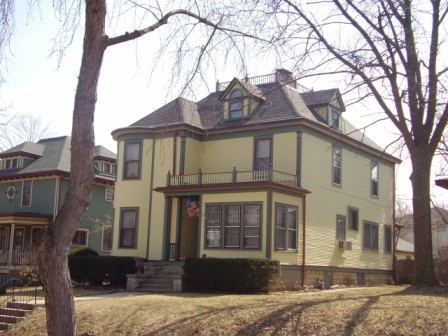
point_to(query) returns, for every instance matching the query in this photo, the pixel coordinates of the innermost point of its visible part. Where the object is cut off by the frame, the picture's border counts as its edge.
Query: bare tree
(17, 129)
(388, 50)
(184, 21)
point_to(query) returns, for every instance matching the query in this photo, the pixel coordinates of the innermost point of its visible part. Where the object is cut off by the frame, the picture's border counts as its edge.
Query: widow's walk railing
(233, 176)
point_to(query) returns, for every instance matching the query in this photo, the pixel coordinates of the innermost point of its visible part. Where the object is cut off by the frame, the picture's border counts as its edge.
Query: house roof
(276, 103)
(404, 246)
(52, 156)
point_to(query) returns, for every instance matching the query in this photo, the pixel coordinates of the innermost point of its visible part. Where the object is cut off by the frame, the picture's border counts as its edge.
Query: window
(337, 161)
(263, 156)
(109, 196)
(285, 227)
(370, 237)
(236, 104)
(374, 178)
(128, 228)
(233, 226)
(106, 167)
(340, 227)
(353, 218)
(387, 238)
(27, 187)
(106, 239)
(334, 118)
(81, 237)
(132, 160)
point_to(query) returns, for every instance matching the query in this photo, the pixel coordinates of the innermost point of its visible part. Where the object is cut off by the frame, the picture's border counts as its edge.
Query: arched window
(236, 104)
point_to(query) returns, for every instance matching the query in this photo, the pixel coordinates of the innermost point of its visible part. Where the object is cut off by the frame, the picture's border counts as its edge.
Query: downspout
(394, 230)
(57, 191)
(303, 241)
(151, 186)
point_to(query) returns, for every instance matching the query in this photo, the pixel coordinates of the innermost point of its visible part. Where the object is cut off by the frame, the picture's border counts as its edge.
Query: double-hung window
(81, 238)
(236, 104)
(27, 188)
(353, 218)
(263, 154)
(374, 178)
(370, 236)
(337, 165)
(235, 225)
(285, 227)
(387, 239)
(340, 228)
(128, 228)
(132, 158)
(106, 239)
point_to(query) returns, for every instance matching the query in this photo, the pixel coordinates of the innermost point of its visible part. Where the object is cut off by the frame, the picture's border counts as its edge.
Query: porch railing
(233, 177)
(18, 258)
(171, 251)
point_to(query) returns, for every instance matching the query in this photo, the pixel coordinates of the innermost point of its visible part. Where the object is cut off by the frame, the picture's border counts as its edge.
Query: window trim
(341, 219)
(126, 162)
(87, 238)
(122, 211)
(334, 167)
(108, 227)
(286, 230)
(221, 210)
(371, 242)
(255, 158)
(350, 211)
(30, 194)
(107, 194)
(387, 246)
(236, 99)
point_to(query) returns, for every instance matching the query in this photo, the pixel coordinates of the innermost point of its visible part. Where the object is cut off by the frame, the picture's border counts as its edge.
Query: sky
(35, 83)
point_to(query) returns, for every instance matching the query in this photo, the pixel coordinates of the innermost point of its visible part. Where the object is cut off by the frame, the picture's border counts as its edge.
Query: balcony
(233, 179)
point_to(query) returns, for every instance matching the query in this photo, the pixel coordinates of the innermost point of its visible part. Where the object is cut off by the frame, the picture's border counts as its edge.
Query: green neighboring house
(33, 183)
(261, 168)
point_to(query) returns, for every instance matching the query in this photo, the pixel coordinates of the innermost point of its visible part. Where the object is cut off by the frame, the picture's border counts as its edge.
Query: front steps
(14, 312)
(157, 277)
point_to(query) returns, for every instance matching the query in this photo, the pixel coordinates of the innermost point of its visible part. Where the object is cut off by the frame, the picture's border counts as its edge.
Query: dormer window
(335, 116)
(11, 163)
(236, 104)
(107, 168)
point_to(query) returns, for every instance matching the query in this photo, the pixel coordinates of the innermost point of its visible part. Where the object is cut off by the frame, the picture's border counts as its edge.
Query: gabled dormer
(240, 100)
(20, 156)
(326, 105)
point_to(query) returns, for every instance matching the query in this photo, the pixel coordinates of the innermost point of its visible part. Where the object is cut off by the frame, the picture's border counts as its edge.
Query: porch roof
(25, 218)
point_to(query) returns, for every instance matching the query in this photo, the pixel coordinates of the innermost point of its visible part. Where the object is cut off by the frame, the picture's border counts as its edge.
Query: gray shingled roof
(54, 155)
(279, 102)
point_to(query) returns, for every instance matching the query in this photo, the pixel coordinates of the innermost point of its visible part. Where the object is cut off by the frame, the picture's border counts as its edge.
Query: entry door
(19, 234)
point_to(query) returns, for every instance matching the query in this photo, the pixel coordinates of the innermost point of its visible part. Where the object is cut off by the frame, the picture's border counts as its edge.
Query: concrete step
(5, 326)
(10, 319)
(14, 312)
(21, 305)
(156, 288)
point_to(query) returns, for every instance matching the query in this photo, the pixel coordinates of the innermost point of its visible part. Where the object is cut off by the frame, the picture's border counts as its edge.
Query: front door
(189, 225)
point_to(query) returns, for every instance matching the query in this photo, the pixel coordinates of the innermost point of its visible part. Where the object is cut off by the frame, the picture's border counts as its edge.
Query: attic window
(236, 104)
(335, 116)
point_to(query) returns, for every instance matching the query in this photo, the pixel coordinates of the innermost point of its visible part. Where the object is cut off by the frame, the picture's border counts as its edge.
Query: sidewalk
(99, 296)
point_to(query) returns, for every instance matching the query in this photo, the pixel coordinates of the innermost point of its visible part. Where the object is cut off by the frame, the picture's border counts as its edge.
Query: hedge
(230, 275)
(96, 269)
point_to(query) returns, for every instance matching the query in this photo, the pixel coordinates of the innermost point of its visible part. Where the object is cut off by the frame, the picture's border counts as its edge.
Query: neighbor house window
(233, 225)
(337, 163)
(340, 228)
(374, 178)
(370, 236)
(27, 187)
(353, 218)
(387, 238)
(263, 154)
(128, 228)
(285, 227)
(236, 104)
(106, 239)
(132, 159)
(81, 237)
(109, 196)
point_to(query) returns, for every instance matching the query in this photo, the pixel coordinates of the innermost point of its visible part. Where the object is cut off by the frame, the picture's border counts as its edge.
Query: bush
(230, 275)
(97, 269)
(25, 276)
(441, 266)
(86, 251)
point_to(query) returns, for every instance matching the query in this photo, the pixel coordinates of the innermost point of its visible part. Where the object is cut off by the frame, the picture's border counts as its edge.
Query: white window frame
(108, 193)
(23, 194)
(87, 238)
(104, 228)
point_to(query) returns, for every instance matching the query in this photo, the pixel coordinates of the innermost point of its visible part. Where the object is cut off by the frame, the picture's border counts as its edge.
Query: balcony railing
(234, 176)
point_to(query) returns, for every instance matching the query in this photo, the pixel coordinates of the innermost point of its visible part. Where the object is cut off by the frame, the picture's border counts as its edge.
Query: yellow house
(261, 168)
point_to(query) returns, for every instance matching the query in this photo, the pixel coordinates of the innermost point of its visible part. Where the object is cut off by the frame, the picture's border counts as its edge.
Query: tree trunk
(421, 200)
(54, 246)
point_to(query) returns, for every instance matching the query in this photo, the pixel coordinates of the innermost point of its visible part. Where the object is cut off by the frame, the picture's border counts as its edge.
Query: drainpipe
(394, 231)
(303, 241)
(151, 186)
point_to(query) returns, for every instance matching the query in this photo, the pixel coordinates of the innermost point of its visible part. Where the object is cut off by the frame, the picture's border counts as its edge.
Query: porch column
(11, 244)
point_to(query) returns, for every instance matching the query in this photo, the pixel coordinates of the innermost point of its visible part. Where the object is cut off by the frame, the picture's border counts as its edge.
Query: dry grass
(365, 311)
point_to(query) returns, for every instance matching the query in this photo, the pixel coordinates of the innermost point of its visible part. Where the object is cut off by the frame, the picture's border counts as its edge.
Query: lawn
(391, 310)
